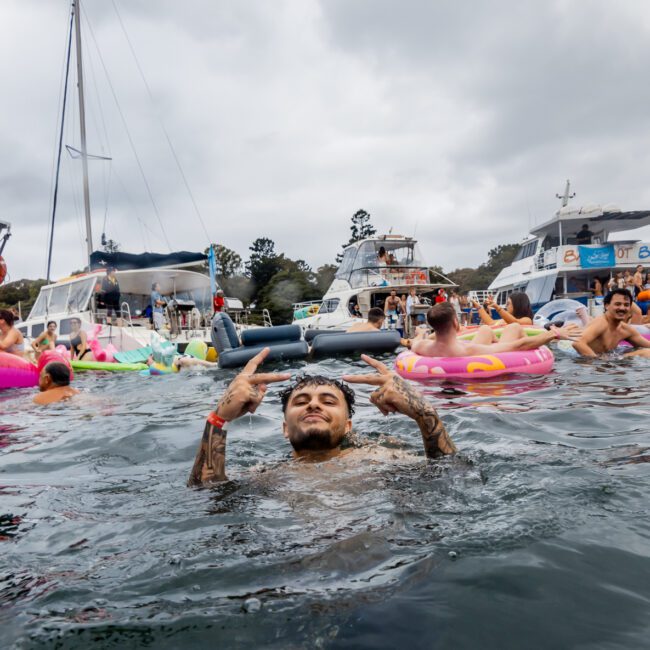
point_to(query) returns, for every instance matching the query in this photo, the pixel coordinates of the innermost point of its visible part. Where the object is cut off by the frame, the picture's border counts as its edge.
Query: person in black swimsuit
(78, 341)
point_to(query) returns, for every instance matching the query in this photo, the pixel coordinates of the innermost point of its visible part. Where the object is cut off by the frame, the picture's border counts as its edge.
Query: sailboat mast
(82, 127)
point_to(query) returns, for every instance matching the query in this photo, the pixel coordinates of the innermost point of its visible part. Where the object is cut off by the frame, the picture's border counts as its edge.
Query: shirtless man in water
(54, 383)
(444, 322)
(606, 332)
(376, 318)
(317, 415)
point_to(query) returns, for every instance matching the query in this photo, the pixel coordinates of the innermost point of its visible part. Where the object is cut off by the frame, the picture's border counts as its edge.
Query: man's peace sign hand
(247, 390)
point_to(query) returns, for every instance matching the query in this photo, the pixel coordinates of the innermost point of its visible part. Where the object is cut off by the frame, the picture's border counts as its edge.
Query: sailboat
(188, 293)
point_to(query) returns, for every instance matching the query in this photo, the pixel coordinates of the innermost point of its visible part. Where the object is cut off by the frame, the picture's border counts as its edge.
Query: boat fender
(355, 343)
(223, 333)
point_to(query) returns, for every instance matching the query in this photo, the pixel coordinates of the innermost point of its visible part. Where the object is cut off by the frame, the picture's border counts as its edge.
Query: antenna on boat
(566, 196)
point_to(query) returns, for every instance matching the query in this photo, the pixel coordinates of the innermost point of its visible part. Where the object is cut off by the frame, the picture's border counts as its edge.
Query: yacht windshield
(40, 306)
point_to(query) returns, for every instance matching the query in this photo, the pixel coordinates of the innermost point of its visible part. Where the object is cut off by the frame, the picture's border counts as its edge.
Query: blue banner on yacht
(596, 257)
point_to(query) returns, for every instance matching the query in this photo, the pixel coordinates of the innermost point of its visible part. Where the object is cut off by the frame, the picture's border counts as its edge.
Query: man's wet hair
(59, 372)
(318, 380)
(376, 315)
(617, 292)
(441, 317)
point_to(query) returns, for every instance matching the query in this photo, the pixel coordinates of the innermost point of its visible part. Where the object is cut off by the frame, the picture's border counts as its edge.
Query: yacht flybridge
(366, 277)
(557, 260)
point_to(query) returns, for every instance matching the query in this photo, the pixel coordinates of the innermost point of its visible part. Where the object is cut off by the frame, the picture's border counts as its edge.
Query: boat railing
(266, 318)
(125, 315)
(386, 276)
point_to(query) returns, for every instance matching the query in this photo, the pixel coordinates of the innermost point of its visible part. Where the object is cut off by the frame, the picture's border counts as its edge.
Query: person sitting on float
(46, 340)
(11, 339)
(517, 310)
(78, 342)
(54, 384)
(444, 323)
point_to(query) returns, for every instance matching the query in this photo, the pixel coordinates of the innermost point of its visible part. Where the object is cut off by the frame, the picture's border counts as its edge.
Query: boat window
(526, 250)
(64, 326)
(328, 306)
(38, 329)
(79, 295)
(59, 300)
(399, 253)
(40, 306)
(550, 242)
(346, 263)
(22, 330)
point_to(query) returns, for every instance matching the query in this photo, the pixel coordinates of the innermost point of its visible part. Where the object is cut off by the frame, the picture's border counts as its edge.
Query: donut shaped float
(531, 362)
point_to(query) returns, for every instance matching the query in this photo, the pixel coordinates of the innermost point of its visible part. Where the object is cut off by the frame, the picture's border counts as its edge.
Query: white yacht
(555, 262)
(187, 314)
(363, 279)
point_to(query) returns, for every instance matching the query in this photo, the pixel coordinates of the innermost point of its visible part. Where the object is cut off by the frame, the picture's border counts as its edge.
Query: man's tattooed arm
(434, 435)
(210, 462)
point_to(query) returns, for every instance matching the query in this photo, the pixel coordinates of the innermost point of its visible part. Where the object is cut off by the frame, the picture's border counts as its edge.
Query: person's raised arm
(486, 319)
(244, 394)
(583, 345)
(396, 395)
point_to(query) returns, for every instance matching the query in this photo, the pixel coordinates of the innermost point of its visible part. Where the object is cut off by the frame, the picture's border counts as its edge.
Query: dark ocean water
(536, 535)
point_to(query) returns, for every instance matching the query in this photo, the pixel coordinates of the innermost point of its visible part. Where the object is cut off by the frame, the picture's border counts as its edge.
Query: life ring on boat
(642, 297)
(3, 269)
(531, 362)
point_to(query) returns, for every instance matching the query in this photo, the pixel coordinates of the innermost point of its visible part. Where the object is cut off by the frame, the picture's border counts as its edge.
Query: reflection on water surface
(543, 516)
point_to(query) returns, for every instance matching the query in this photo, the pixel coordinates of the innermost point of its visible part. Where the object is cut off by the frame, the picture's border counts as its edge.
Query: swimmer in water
(317, 414)
(605, 333)
(445, 343)
(185, 361)
(54, 383)
(376, 318)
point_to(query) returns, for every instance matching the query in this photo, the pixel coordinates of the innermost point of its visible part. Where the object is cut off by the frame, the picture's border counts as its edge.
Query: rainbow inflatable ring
(532, 362)
(16, 372)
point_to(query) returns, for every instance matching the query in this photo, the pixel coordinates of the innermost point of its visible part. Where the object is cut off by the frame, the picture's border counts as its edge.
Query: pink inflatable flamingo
(105, 355)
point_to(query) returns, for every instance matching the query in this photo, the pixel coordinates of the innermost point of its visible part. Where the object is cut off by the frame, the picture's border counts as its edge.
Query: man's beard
(311, 438)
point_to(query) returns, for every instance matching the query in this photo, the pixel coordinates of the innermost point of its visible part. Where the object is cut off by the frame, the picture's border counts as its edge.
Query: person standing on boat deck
(111, 294)
(584, 236)
(11, 339)
(412, 300)
(157, 305)
(317, 415)
(638, 280)
(218, 302)
(391, 307)
(597, 288)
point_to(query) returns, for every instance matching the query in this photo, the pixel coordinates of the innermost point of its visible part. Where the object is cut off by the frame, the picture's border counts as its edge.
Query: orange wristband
(216, 421)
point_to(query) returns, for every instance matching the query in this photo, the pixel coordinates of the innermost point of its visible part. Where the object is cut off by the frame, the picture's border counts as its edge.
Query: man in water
(317, 415)
(54, 384)
(376, 318)
(444, 322)
(605, 333)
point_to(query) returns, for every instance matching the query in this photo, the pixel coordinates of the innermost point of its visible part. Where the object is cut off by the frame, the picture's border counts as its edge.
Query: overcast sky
(455, 121)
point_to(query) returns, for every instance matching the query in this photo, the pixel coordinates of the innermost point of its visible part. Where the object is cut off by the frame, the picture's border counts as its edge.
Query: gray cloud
(458, 122)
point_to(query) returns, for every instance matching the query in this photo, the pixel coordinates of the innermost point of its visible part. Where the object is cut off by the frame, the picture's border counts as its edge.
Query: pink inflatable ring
(532, 362)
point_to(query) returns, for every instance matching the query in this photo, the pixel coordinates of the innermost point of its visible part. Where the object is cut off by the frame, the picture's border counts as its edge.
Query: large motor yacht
(554, 261)
(365, 280)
